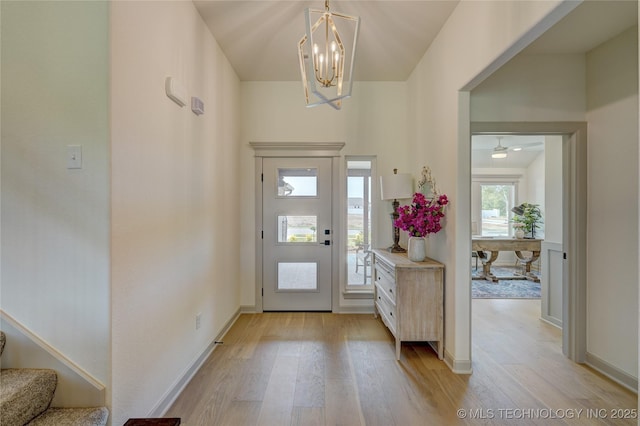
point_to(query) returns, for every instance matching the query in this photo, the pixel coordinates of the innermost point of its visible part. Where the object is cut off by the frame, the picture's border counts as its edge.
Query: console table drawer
(387, 309)
(386, 282)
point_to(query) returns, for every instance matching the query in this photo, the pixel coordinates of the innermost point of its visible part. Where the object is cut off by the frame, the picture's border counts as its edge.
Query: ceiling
(531, 146)
(260, 37)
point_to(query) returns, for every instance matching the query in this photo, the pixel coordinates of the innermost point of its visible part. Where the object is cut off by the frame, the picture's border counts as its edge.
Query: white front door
(297, 234)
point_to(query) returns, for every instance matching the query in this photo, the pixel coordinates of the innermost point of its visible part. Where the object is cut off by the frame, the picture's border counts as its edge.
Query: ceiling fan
(499, 151)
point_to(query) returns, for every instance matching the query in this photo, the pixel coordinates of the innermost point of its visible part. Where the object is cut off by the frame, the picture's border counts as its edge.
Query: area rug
(504, 289)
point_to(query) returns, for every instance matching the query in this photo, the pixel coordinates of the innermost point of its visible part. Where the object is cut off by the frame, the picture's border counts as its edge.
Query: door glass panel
(297, 276)
(297, 229)
(298, 182)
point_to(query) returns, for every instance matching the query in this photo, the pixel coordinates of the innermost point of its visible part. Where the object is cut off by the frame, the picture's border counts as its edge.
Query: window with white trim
(491, 204)
(359, 190)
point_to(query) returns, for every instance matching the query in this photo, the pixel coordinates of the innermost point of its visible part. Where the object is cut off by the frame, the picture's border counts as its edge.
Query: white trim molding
(364, 310)
(297, 149)
(551, 257)
(457, 366)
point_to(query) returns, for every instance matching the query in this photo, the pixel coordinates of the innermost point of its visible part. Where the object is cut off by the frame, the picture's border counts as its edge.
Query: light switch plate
(74, 156)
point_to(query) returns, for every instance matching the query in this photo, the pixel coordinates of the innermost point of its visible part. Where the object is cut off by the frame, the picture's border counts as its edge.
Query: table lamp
(395, 187)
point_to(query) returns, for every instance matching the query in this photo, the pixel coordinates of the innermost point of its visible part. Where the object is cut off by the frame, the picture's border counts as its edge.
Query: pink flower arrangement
(422, 216)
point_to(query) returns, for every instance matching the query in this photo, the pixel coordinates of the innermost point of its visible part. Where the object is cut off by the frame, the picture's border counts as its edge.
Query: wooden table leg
(486, 266)
(527, 264)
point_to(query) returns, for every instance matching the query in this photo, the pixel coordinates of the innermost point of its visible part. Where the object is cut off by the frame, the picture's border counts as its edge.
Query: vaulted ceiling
(260, 37)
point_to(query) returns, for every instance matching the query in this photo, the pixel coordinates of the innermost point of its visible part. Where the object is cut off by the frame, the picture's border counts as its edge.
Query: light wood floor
(325, 369)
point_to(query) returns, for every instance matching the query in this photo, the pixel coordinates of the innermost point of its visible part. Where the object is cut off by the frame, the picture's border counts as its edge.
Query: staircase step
(24, 394)
(72, 417)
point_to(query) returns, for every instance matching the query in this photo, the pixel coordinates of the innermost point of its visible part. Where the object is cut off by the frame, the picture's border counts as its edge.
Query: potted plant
(528, 215)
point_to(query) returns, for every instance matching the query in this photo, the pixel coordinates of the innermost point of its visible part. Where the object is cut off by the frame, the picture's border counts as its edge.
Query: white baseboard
(183, 380)
(614, 373)
(248, 309)
(552, 321)
(356, 310)
(457, 366)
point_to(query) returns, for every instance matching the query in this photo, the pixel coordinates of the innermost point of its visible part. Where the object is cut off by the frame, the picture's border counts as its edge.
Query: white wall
(612, 253)
(472, 44)
(175, 200)
(553, 189)
(536, 186)
(547, 87)
(55, 222)
(372, 122)
(609, 104)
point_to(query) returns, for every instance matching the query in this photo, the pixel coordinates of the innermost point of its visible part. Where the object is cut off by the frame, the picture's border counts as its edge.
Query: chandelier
(323, 53)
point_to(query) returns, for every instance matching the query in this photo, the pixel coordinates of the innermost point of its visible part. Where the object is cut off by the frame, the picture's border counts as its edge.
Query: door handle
(326, 243)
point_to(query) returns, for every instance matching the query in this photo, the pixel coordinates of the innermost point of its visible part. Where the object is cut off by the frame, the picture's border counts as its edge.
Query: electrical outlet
(198, 321)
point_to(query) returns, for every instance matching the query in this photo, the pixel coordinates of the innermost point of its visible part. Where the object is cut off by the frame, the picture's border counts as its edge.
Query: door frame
(301, 150)
(574, 223)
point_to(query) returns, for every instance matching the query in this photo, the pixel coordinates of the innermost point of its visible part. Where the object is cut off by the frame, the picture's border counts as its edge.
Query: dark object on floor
(169, 421)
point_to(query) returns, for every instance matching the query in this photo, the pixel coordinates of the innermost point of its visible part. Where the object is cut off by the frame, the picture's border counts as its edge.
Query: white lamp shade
(396, 186)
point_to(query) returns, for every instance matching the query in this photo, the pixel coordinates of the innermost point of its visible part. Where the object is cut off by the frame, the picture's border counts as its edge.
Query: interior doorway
(516, 198)
(566, 259)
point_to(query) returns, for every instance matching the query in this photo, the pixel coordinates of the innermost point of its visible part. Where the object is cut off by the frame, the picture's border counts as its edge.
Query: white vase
(519, 233)
(417, 250)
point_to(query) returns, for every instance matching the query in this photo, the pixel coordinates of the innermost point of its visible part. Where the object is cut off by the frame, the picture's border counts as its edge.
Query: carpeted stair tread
(3, 340)
(24, 394)
(72, 417)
